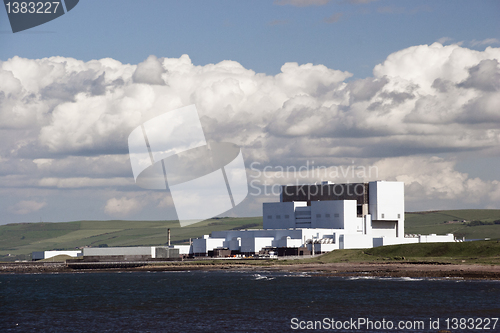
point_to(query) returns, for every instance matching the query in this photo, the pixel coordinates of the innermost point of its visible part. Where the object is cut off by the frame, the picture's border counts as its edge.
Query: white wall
(302, 215)
(367, 226)
(357, 241)
(352, 223)
(183, 249)
(278, 215)
(384, 228)
(324, 247)
(384, 241)
(233, 244)
(328, 214)
(119, 251)
(433, 238)
(49, 254)
(255, 244)
(286, 241)
(386, 202)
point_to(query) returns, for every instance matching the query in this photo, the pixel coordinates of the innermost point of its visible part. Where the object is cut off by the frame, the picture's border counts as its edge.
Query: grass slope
(486, 252)
(433, 223)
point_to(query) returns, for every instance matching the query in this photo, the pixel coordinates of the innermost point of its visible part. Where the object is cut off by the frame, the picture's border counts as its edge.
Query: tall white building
(325, 217)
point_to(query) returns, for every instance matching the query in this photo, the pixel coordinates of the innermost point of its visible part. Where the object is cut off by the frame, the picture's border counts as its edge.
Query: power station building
(322, 218)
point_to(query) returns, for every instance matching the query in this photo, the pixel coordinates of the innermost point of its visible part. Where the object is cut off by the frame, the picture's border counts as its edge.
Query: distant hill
(18, 240)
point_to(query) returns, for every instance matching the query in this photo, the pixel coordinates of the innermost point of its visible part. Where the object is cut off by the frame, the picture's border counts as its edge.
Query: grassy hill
(433, 223)
(18, 240)
(485, 252)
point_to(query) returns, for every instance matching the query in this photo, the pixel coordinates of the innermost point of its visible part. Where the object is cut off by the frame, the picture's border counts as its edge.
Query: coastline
(393, 269)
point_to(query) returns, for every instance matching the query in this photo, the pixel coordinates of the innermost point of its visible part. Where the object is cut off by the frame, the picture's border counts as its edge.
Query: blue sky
(260, 35)
(410, 87)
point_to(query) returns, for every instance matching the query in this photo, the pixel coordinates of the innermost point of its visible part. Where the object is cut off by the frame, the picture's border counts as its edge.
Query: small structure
(39, 255)
(136, 253)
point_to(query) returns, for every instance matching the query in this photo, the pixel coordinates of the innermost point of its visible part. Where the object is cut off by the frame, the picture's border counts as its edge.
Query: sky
(351, 91)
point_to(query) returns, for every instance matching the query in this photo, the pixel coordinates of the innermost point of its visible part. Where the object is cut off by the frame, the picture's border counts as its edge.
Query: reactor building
(319, 218)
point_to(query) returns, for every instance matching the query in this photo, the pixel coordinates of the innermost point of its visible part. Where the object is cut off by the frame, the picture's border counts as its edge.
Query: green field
(18, 240)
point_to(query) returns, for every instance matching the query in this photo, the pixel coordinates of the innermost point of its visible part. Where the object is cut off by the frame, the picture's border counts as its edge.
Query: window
(382, 215)
(270, 217)
(318, 215)
(327, 215)
(336, 215)
(287, 216)
(399, 216)
(278, 217)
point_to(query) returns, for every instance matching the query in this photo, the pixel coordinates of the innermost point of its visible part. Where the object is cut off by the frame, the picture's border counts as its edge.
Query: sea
(232, 301)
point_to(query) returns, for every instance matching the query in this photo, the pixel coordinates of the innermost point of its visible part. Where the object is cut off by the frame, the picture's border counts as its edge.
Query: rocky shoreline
(398, 269)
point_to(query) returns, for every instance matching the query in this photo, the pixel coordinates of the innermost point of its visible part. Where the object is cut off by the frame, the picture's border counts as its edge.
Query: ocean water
(223, 301)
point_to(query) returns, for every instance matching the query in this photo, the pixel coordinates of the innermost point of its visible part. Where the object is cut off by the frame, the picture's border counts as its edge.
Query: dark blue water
(231, 301)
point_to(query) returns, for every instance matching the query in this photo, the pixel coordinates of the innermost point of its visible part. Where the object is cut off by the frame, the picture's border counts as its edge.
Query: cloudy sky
(409, 90)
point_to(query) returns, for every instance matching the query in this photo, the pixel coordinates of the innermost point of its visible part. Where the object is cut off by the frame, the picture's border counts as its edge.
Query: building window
(287, 216)
(399, 216)
(336, 215)
(327, 215)
(270, 217)
(318, 215)
(382, 215)
(278, 217)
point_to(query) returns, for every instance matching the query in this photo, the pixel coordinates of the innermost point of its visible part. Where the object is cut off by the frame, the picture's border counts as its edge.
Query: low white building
(325, 217)
(39, 255)
(137, 252)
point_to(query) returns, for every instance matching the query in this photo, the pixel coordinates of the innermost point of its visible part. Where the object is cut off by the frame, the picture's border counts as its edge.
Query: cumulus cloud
(484, 76)
(27, 206)
(64, 123)
(149, 71)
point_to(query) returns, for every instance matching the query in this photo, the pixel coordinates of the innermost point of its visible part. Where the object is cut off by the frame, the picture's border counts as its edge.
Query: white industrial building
(325, 217)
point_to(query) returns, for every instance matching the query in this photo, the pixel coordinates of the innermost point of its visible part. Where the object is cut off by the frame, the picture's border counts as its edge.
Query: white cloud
(149, 71)
(487, 41)
(435, 179)
(123, 206)
(444, 40)
(80, 182)
(27, 206)
(65, 122)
